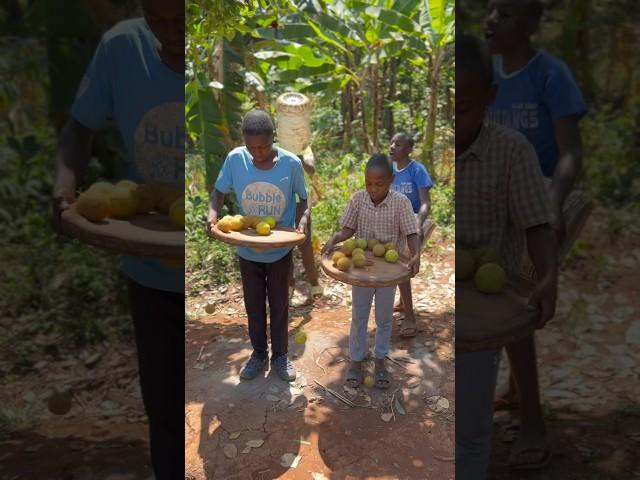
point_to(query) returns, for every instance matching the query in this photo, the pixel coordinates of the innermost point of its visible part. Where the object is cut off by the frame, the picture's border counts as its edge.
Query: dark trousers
(158, 318)
(262, 281)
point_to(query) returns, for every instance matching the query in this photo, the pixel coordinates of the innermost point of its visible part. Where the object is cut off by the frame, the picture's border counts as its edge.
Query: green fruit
(379, 250)
(300, 338)
(389, 246)
(357, 251)
(210, 308)
(347, 248)
(490, 278)
(391, 256)
(465, 264)
(361, 243)
(372, 243)
(484, 255)
(344, 264)
(59, 403)
(359, 260)
(337, 256)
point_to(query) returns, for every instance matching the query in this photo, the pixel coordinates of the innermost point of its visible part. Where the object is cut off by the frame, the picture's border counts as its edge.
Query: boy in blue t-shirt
(537, 96)
(265, 181)
(411, 179)
(136, 82)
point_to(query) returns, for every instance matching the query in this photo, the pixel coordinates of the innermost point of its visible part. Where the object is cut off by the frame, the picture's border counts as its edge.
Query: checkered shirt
(500, 193)
(392, 220)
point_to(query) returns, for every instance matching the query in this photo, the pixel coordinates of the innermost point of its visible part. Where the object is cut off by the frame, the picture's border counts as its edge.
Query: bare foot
(531, 450)
(409, 328)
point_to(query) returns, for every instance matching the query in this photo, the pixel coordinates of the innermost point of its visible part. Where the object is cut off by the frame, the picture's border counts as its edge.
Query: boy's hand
(212, 219)
(543, 300)
(414, 265)
(328, 247)
(302, 226)
(60, 201)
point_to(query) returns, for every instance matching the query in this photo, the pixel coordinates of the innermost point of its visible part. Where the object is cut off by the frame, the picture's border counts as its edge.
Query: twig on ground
(393, 397)
(200, 354)
(336, 394)
(395, 362)
(320, 356)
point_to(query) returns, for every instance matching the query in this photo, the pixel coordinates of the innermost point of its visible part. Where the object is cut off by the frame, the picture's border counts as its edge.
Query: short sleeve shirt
(127, 85)
(409, 180)
(392, 220)
(264, 193)
(500, 193)
(531, 99)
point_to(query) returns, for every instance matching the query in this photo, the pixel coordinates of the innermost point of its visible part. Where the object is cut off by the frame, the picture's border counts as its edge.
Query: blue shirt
(128, 85)
(410, 180)
(264, 193)
(530, 100)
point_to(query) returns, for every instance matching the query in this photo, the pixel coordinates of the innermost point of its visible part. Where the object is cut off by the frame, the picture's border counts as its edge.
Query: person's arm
(216, 201)
(341, 236)
(72, 157)
(413, 241)
(543, 251)
(302, 215)
(569, 143)
(425, 208)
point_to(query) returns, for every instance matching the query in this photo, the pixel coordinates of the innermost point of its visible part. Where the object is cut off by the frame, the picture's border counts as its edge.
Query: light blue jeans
(362, 299)
(476, 374)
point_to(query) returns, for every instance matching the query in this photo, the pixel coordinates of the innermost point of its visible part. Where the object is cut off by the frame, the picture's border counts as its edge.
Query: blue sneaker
(284, 368)
(253, 367)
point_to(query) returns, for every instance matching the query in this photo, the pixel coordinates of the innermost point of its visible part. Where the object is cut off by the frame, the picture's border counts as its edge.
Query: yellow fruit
(236, 223)
(361, 243)
(165, 194)
(372, 243)
(250, 221)
(369, 381)
(127, 184)
(93, 205)
(104, 188)
(210, 308)
(465, 264)
(484, 255)
(59, 403)
(263, 228)
(300, 337)
(359, 260)
(378, 250)
(391, 256)
(490, 278)
(224, 224)
(357, 251)
(271, 221)
(122, 203)
(176, 212)
(389, 246)
(344, 264)
(337, 256)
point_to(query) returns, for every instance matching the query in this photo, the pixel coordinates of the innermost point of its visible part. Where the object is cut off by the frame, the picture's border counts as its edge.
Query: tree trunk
(432, 114)
(391, 98)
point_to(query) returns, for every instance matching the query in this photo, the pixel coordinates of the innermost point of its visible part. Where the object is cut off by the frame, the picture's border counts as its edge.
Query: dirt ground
(589, 364)
(252, 430)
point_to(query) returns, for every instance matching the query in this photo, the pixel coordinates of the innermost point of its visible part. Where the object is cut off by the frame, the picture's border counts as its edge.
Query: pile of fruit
(352, 252)
(262, 226)
(126, 199)
(483, 267)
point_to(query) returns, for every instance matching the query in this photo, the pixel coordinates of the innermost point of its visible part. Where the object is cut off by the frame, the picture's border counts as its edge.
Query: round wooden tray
(277, 238)
(377, 273)
(489, 322)
(150, 234)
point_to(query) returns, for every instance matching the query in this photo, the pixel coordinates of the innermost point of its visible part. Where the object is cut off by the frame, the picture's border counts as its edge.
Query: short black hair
(406, 137)
(472, 56)
(535, 9)
(257, 122)
(380, 160)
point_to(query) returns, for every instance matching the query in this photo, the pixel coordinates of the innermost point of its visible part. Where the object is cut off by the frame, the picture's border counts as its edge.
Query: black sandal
(354, 377)
(382, 378)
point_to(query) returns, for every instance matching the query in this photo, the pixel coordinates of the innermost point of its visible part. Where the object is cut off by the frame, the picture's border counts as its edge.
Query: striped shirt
(392, 220)
(500, 193)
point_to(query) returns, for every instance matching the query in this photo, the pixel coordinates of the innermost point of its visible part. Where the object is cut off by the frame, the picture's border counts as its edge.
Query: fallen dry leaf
(230, 451)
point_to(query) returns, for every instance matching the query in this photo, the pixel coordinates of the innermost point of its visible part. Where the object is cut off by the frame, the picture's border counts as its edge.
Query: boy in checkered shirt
(502, 202)
(381, 214)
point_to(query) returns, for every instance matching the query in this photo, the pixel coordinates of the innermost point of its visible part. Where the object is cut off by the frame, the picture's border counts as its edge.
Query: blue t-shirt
(128, 85)
(264, 193)
(532, 98)
(410, 180)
